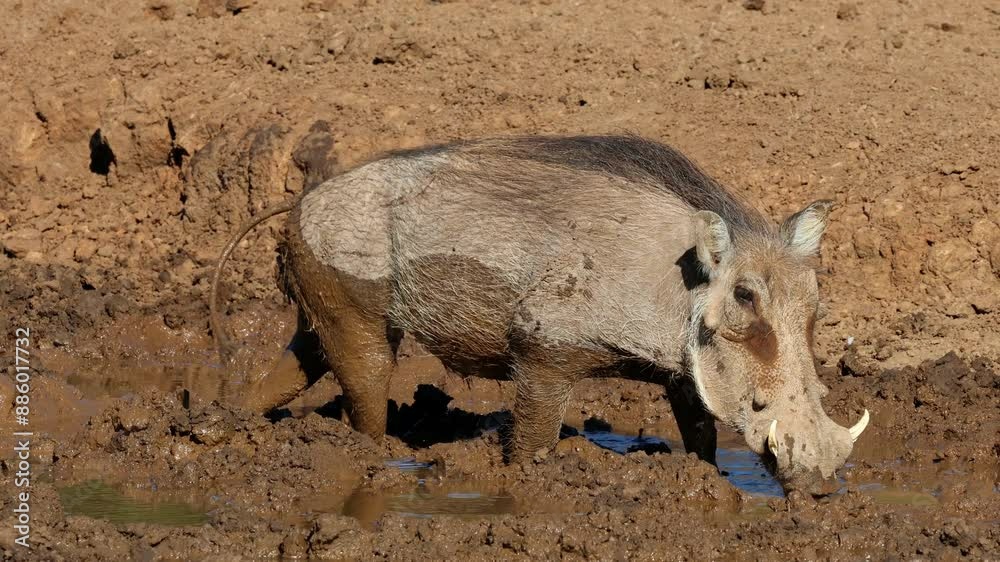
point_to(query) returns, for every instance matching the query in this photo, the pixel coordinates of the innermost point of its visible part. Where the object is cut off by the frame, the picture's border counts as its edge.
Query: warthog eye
(744, 296)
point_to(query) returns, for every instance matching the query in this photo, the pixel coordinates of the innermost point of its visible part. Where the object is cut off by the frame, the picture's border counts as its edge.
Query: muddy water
(96, 499)
(467, 499)
(142, 353)
(428, 495)
(147, 356)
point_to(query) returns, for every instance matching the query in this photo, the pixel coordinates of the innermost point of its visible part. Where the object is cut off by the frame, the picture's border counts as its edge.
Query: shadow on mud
(427, 421)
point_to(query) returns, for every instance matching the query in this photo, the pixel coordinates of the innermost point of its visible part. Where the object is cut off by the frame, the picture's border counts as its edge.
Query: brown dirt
(138, 135)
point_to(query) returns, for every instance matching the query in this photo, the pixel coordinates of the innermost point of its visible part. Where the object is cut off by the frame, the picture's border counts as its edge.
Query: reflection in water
(146, 354)
(204, 381)
(368, 505)
(410, 464)
(743, 468)
(100, 501)
(461, 500)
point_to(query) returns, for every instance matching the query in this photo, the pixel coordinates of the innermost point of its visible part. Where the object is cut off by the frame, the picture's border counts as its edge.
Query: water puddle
(468, 499)
(420, 468)
(100, 501)
(899, 496)
(742, 467)
(142, 353)
(424, 502)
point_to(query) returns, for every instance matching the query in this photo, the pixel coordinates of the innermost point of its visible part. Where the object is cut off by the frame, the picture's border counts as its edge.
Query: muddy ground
(137, 136)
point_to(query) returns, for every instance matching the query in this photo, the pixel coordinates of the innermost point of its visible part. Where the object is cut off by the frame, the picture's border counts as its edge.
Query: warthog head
(750, 347)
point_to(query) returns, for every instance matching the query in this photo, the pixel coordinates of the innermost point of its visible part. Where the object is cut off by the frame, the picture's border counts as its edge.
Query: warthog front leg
(542, 394)
(696, 424)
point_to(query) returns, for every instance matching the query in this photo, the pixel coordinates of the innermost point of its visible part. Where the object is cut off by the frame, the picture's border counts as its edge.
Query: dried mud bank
(138, 135)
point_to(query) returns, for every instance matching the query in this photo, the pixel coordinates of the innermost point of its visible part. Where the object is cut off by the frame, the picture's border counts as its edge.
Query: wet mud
(159, 474)
(138, 136)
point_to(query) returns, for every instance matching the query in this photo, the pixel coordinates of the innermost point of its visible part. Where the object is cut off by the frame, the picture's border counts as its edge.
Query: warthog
(544, 260)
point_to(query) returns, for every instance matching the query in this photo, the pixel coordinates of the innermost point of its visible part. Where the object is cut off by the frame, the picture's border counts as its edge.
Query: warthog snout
(806, 457)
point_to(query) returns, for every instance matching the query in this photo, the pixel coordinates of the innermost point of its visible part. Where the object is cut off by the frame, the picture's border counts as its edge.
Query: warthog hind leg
(363, 358)
(301, 364)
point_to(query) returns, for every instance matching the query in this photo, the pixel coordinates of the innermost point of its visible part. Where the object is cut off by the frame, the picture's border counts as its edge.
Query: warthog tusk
(859, 427)
(772, 438)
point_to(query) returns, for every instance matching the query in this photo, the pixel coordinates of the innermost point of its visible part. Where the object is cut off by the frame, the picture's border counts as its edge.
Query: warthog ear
(804, 230)
(712, 239)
